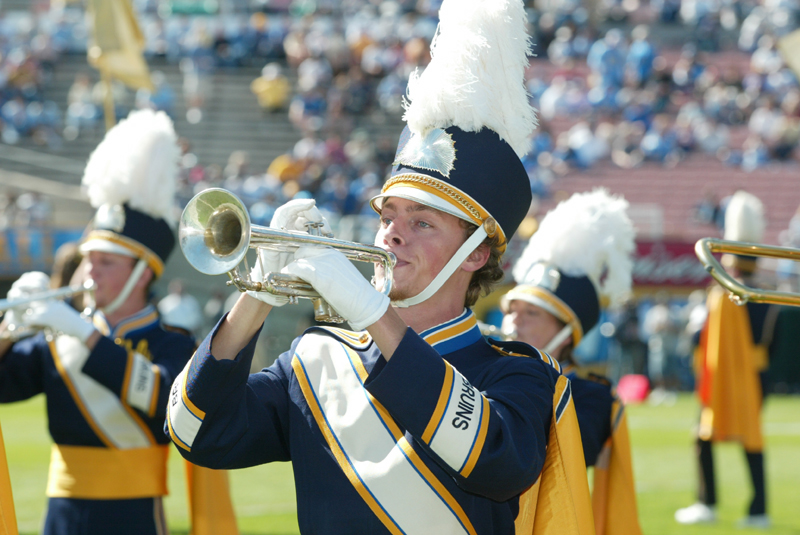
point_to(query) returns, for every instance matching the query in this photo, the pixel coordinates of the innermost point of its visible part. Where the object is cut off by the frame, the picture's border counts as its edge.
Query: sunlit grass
(662, 454)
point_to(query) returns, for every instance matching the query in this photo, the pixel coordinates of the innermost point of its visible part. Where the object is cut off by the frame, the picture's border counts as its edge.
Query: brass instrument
(498, 333)
(16, 332)
(740, 293)
(215, 234)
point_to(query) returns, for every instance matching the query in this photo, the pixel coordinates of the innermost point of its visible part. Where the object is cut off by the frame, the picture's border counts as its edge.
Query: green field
(663, 464)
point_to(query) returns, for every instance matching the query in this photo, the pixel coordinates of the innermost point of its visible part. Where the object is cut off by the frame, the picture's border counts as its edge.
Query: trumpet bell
(214, 232)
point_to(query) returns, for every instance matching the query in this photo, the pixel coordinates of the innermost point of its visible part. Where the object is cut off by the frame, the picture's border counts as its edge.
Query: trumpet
(215, 234)
(16, 332)
(741, 293)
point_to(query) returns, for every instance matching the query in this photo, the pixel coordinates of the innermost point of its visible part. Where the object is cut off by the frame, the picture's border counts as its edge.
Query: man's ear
(477, 258)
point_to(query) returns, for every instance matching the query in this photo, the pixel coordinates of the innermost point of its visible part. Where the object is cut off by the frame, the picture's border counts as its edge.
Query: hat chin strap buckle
(455, 262)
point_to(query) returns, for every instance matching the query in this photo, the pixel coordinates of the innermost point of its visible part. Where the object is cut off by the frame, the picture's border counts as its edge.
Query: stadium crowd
(604, 89)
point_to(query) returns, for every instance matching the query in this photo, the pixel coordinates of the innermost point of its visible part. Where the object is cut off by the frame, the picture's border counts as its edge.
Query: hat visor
(105, 246)
(420, 196)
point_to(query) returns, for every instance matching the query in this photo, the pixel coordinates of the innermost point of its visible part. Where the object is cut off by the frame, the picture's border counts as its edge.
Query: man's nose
(393, 236)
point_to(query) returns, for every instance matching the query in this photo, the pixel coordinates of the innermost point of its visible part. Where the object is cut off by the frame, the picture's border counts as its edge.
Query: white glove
(339, 283)
(296, 214)
(29, 283)
(59, 317)
(269, 261)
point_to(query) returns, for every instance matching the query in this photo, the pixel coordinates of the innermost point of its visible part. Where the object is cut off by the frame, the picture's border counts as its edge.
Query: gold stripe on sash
(340, 456)
(441, 405)
(104, 473)
(479, 440)
(385, 418)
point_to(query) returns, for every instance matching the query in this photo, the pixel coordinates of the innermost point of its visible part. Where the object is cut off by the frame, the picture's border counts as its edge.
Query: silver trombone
(741, 293)
(16, 332)
(215, 234)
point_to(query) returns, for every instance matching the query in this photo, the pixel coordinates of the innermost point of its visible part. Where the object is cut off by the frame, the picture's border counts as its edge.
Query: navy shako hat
(130, 232)
(130, 179)
(485, 178)
(572, 300)
(469, 120)
(578, 259)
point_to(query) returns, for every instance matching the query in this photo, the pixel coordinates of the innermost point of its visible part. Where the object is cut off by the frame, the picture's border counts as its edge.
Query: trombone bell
(215, 233)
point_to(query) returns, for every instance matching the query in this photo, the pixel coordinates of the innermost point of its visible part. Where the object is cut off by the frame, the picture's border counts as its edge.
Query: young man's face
(110, 272)
(534, 325)
(422, 238)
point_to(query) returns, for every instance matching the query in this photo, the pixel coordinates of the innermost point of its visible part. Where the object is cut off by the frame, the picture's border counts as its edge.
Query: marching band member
(412, 423)
(730, 370)
(107, 379)
(579, 258)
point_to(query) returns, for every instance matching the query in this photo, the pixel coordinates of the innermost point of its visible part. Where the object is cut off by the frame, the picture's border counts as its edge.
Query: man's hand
(339, 283)
(294, 215)
(298, 214)
(30, 283)
(59, 317)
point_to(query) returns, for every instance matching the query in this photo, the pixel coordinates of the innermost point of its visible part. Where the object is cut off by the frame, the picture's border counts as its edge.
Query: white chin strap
(123, 295)
(463, 252)
(558, 339)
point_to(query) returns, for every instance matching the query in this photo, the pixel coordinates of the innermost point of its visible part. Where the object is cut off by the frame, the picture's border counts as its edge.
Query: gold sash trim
(106, 473)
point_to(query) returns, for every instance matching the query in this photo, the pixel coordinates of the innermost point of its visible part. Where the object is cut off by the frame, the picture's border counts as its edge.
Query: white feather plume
(588, 234)
(744, 218)
(136, 163)
(476, 75)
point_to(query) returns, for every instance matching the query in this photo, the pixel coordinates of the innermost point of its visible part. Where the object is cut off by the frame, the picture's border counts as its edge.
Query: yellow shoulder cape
(8, 518)
(614, 492)
(726, 368)
(558, 503)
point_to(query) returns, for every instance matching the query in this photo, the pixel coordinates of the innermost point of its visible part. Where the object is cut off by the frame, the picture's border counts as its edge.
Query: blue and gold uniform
(105, 412)
(578, 260)
(413, 445)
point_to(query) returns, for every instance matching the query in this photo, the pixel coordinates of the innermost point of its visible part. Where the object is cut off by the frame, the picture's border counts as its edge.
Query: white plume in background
(744, 218)
(136, 163)
(475, 77)
(588, 234)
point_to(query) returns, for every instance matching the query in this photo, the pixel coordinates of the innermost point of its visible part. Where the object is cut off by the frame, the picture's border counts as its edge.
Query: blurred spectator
(272, 88)
(641, 55)
(180, 310)
(162, 98)
(658, 328)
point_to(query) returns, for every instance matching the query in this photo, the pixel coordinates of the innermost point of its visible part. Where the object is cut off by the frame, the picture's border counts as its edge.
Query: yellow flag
(789, 47)
(116, 44)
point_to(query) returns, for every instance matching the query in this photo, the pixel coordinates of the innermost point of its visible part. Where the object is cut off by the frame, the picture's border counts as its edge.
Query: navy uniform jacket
(440, 382)
(593, 404)
(105, 414)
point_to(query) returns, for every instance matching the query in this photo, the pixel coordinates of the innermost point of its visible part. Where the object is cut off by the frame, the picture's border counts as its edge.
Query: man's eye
(385, 221)
(423, 224)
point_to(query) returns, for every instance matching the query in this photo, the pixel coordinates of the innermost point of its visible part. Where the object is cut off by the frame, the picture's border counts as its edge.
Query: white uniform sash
(369, 446)
(115, 424)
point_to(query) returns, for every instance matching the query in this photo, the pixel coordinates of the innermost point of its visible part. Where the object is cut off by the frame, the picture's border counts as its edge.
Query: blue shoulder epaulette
(521, 349)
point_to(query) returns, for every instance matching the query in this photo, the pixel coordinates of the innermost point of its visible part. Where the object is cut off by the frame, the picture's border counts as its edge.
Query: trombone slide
(741, 293)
